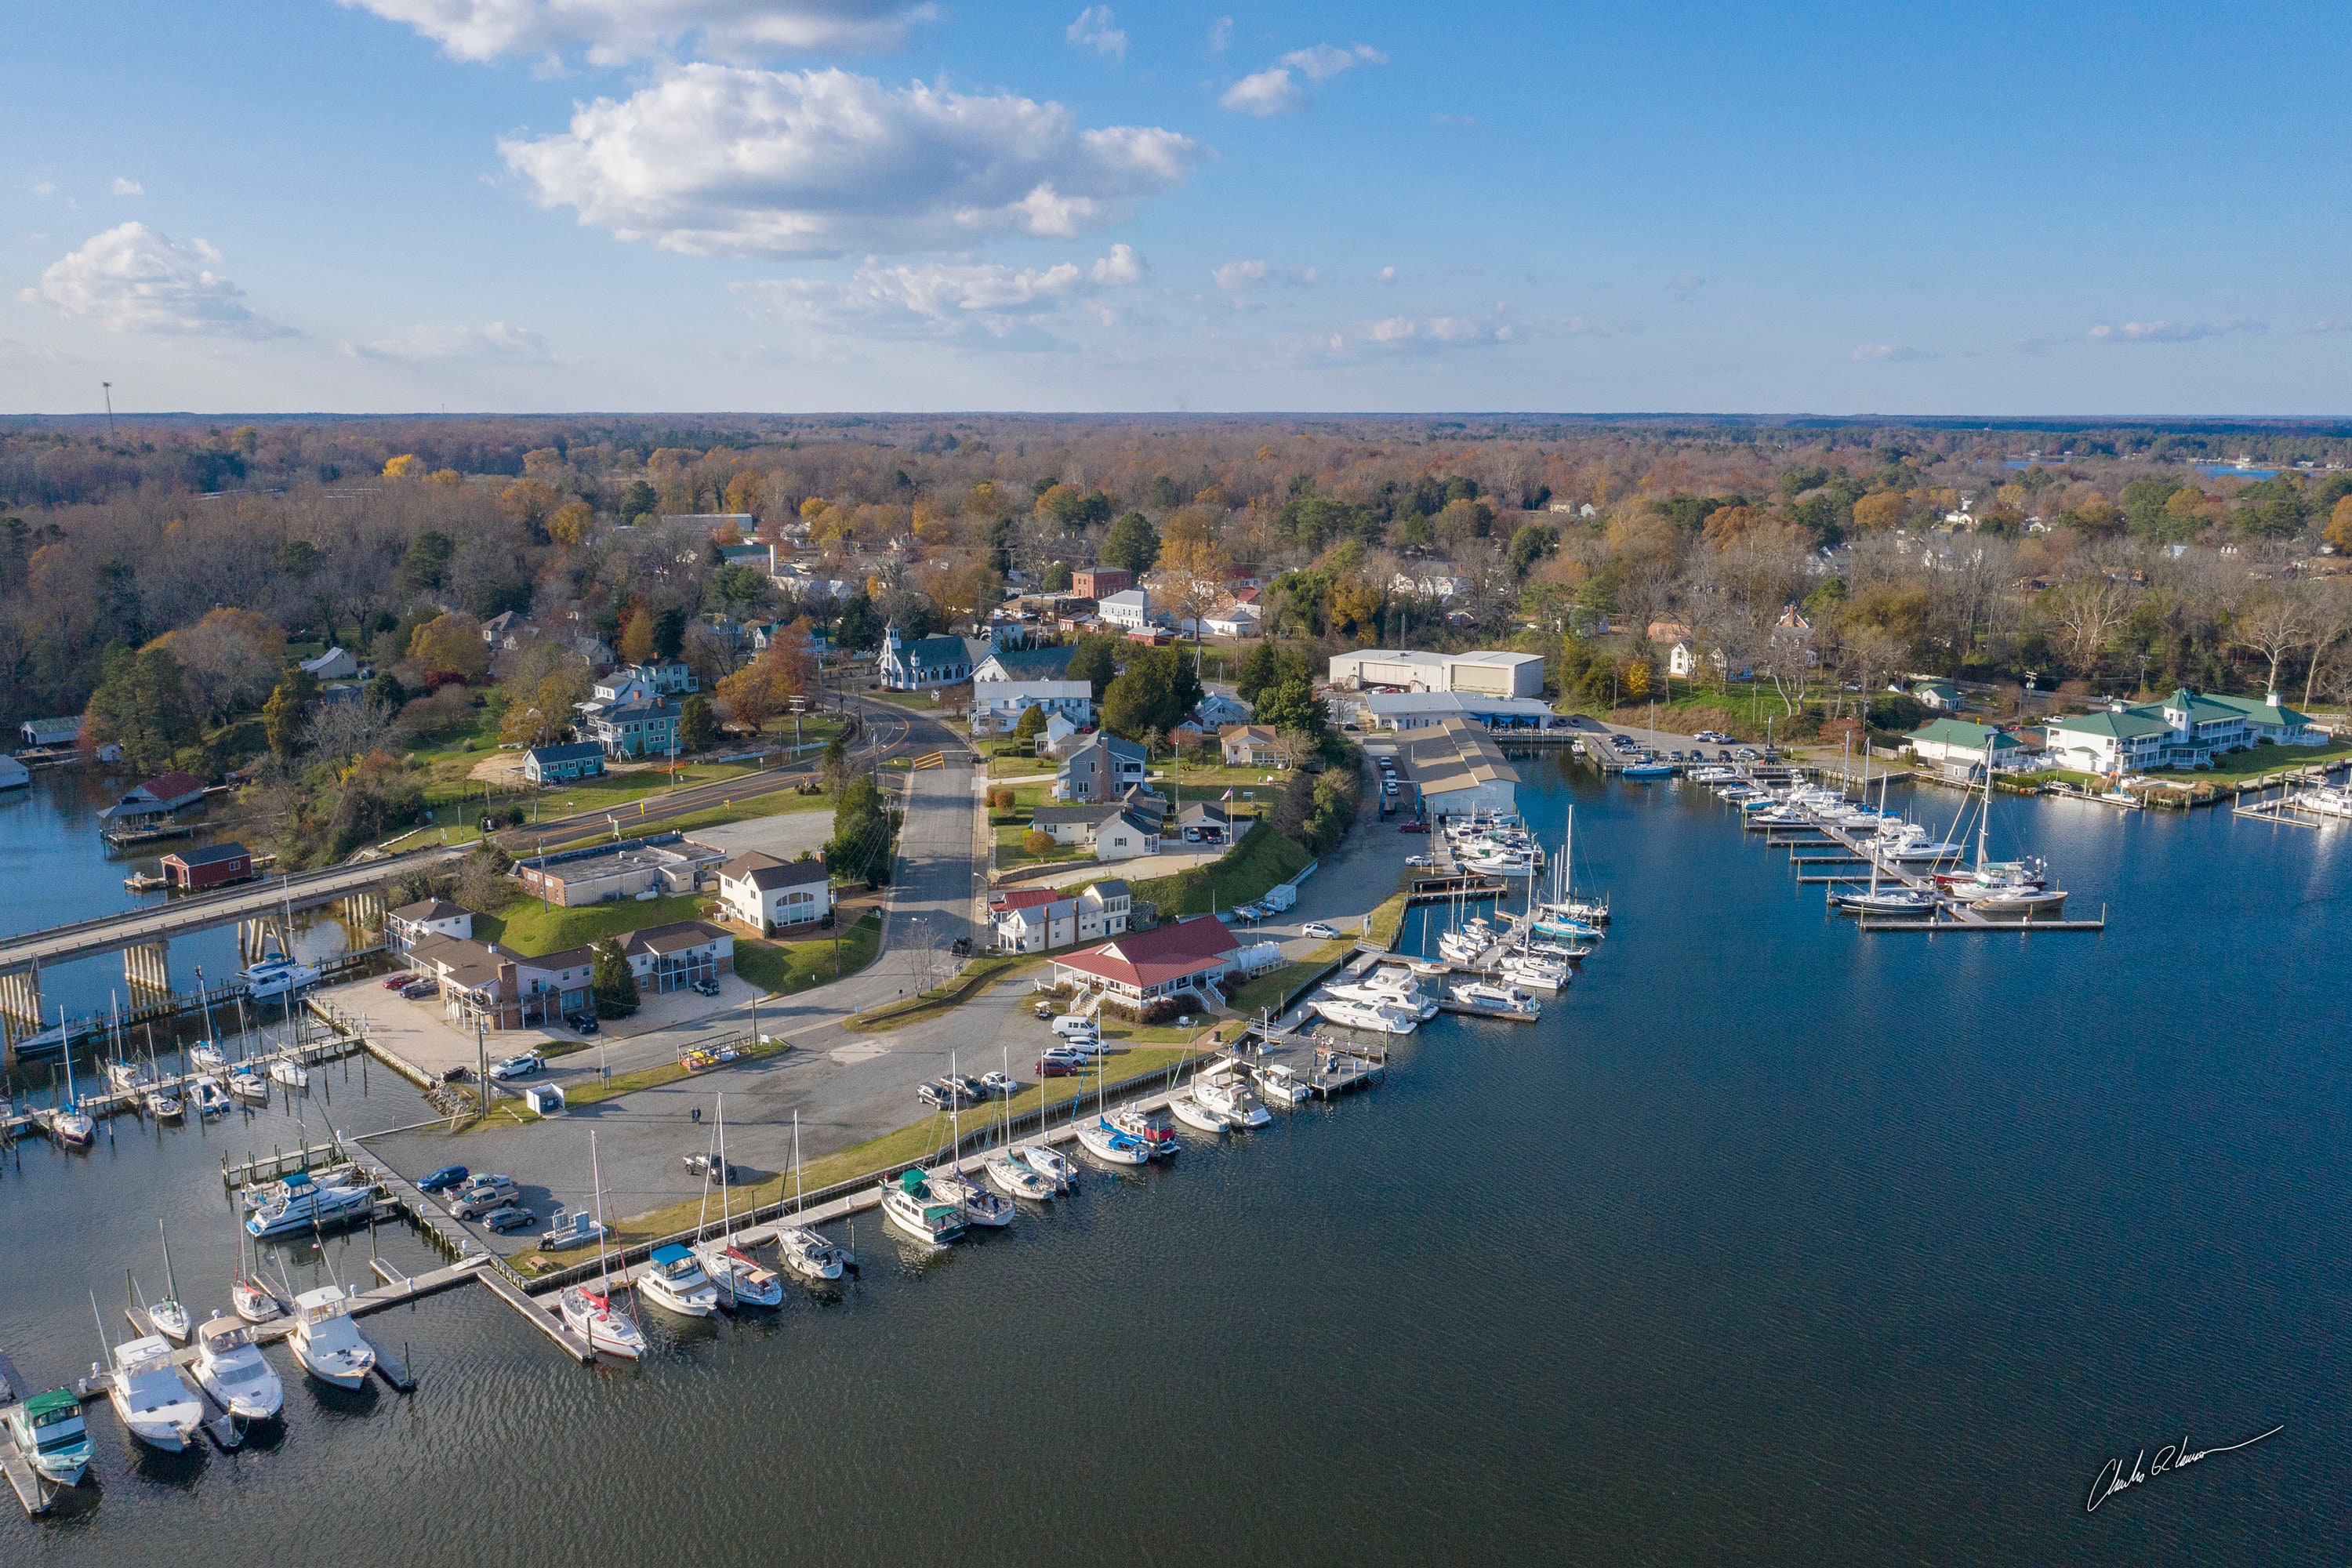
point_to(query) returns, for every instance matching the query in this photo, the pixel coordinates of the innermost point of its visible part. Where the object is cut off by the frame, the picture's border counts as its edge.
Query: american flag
(1228, 795)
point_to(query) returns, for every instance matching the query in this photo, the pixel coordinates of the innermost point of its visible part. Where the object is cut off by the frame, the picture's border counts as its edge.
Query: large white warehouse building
(1489, 674)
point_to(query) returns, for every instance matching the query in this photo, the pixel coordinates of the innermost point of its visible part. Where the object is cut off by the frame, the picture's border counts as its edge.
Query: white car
(1420, 859)
(999, 1083)
(1318, 929)
(521, 1066)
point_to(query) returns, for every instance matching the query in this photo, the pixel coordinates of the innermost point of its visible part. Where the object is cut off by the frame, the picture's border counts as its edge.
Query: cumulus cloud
(1098, 29)
(133, 279)
(2172, 332)
(44, 189)
(947, 299)
(1235, 275)
(1433, 332)
(611, 32)
(1886, 354)
(1221, 34)
(725, 161)
(1274, 90)
(497, 343)
(123, 187)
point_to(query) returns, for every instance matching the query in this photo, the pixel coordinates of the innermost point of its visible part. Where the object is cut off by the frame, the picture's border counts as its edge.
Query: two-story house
(642, 727)
(767, 894)
(1099, 768)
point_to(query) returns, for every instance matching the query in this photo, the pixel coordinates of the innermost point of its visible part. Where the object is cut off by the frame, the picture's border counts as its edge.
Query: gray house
(1102, 767)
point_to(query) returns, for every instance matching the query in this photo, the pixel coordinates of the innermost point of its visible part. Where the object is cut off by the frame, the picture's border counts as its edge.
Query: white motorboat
(1197, 1113)
(1374, 990)
(1222, 1089)
(804, 1250)
(1536, 973)
(207, 1057)
(592, 1315)
(1887, 901)
(211, 1099)
(325, 1340)
(246, 1084)
(276, 975)
(1425, 969)
(1462, 947)
(155, 1403)
(1016, 1178)
(2019, 902)
(49, 1432)
(1374, 1017)
(909, 1203)
(303, 1204)
(230, 1367)
(1282, 1086)
(675, 1283)
(163, 1105)
(289, 1073)
(1492, 998)
(1500, 863)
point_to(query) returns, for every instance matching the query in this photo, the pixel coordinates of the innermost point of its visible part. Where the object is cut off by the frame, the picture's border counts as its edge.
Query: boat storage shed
(214, 865)
(1457, 768)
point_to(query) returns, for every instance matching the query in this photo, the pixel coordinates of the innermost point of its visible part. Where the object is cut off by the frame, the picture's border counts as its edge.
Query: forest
(164, 576)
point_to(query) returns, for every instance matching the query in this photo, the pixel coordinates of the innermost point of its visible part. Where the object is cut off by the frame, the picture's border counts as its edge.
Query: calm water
(1769, 1244)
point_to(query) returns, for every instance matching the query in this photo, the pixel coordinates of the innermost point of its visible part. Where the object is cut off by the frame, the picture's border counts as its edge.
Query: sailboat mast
(596, 1180)
(800, 1192)
(726, 1224)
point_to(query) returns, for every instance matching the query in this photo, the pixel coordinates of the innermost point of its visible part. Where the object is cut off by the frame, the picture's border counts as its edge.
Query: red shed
(193, 870)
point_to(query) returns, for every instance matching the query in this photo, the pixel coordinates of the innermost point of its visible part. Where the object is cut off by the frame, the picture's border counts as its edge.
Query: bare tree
(338, 729)
(2330, 603)
(2089, 610)
(2270, 619)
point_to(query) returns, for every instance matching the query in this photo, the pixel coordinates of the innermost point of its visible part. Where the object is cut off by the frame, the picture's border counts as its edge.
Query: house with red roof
(1142, 969)
(157, 797)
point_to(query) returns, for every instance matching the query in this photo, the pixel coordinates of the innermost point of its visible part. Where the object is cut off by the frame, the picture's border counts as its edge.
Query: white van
(1072, 1026)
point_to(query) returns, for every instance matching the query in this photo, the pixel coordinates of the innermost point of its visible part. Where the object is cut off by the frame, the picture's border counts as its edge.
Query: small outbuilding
(214, 865)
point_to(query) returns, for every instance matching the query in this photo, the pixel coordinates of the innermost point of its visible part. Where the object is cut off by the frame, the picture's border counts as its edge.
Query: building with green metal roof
(1961, 747)
(2188, 728)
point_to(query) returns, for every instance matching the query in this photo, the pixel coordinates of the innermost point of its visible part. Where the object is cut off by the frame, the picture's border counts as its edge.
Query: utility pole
(107, 387)
(482, 1054)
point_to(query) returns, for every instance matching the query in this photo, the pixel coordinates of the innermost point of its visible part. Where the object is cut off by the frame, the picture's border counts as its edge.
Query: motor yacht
(1461, 946)
(1281, 1085)
(230, 1367)
(1376, 1016)
(246, 1084)
(909, 1203)
(675, 1283)
(304, 1203)
(210, 1098)
(49, 1432)
(1534, 973)
(326, 1342)
(1377, 989)
(592, 1315)
(276, 975)
(148, 1392)
(1488, 997)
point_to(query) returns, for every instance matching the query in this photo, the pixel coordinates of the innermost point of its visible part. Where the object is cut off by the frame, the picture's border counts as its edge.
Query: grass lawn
(1261, 859)
(1388, 918)
(924, 700)
(780, 968)
(1001, 766)
(978, 976)
(530, 929)
(2260, 760)
(917, 1141)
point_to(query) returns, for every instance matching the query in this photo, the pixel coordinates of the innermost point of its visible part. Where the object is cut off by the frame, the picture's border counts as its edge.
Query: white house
(1058, 736)
(1233, 621)
(999, 704)
(1125, 837)
(1215, 710)
(1131, 610)
(766, 893)
(2186, 729)
(333, 664)
(1959, 747)
(432, 917)
(1032, 920)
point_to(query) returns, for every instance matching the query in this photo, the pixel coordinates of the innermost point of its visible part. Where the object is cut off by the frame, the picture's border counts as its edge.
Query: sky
(816, 205)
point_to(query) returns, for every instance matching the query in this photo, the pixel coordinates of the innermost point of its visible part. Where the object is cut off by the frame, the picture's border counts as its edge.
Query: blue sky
(819, 204)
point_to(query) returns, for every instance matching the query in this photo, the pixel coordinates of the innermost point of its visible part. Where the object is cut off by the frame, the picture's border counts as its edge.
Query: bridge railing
(199, 903)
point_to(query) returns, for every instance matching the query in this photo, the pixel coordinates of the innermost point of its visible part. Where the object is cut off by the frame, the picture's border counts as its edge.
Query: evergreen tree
(282, 715)
(698, 726)
(614, 983)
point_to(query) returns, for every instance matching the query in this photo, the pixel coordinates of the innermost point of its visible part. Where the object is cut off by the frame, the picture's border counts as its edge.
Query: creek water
(1771, 1243)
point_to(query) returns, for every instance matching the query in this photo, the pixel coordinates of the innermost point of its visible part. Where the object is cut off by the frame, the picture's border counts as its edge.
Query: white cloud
(1429, 333)
(1274, 91)
(1221, 34)
(944, 299)
(614, 31)
(1235, 275)
(1302, 276)
(1888, 353)
(2172, 332)
(44, 189)
(1096, 29)
(123, 187)
(1386, 274)
(133, 279)
(497, 343)
(719, 160)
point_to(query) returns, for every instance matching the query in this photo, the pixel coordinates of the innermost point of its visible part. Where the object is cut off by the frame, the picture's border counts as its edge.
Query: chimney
(2272, 699)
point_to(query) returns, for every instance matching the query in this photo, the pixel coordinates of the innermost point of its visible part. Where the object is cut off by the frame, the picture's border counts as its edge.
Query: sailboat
(981, 1207)
(255, 1301)
(170, 1317)
(1113, 1145)
(1889, 900)
(590, 1313)
(2000, 887)
(205, 1055)
(69, 1125)
(1049, 1163)
(1564, 904)
(803, 1248)
(742, 1280)
(1014, 1175)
